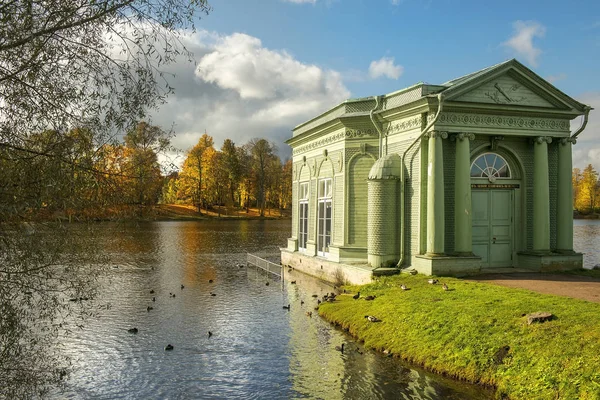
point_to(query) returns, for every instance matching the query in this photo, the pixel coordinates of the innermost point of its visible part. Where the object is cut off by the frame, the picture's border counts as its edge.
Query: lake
(586, 239)
(258, 349)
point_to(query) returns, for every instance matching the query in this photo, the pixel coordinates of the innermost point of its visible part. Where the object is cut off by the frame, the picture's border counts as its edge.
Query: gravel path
(579, 287)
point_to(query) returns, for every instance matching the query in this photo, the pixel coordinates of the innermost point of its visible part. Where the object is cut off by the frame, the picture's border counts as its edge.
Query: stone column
(541, 195)
(564, 206)
(462, 195)
(435, 194)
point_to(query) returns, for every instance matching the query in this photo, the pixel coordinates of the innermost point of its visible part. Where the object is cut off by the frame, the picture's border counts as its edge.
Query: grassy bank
(477, 332)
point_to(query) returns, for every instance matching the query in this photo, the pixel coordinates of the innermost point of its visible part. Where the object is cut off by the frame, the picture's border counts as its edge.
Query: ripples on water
(586, 239)
(258, 349)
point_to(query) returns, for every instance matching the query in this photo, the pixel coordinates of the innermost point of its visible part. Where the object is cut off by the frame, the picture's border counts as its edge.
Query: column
(462, 195)
(541, 195)
(564, 206)
(435, 194)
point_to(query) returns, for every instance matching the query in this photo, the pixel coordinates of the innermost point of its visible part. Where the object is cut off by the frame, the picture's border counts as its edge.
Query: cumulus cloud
(587, 149)
(385, 67)
(239, 90)
(521, 43)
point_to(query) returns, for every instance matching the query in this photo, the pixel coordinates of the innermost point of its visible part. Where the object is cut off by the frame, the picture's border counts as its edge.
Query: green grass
(458, 333)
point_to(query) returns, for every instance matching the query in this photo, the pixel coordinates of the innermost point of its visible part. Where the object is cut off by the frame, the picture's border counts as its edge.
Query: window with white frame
(490, 166)
(324, 213)
(303, 215)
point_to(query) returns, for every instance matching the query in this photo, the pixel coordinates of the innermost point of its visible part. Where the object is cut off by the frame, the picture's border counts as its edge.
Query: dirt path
(579, 287)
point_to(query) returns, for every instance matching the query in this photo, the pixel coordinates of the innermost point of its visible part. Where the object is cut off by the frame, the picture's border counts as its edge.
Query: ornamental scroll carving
(504, 121)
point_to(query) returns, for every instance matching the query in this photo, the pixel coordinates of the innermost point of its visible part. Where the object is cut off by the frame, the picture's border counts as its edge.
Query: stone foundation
(550, 261)
(327, 270)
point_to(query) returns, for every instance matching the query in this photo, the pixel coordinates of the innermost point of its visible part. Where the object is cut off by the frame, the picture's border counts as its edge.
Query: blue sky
(265, 66)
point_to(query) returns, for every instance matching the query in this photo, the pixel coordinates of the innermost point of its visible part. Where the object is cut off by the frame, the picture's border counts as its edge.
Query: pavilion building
(469, 176)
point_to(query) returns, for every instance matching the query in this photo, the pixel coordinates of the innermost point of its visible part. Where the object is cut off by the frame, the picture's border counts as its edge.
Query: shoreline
(477, 332)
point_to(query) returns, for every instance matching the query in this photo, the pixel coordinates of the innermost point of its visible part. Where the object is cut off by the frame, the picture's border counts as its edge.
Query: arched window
(491, 166)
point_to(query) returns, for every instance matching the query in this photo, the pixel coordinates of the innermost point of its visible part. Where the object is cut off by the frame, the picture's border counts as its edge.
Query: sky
(264, 66)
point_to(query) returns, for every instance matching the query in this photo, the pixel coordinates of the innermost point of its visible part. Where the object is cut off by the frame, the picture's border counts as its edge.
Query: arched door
(493, 210)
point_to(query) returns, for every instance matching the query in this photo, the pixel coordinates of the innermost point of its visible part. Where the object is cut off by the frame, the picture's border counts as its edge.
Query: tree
(144, 143)
(231, 163)
(262, 153)
(64, 64)
(191, 186)
(589, 187)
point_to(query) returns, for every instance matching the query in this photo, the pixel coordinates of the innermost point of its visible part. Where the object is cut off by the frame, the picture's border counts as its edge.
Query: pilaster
(564, 206)
(541, 195)
(435, 194)
(462, 195)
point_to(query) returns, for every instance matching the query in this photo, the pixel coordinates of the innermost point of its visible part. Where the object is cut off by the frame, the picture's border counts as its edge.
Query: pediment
(507, 90)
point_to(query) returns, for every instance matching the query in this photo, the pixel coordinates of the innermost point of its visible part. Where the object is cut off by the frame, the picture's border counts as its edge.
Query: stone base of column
(446, 264)
(547, 262)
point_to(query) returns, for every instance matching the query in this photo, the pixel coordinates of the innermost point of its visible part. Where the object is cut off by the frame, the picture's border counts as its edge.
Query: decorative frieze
(501, 121)
(405, 125)
(318, 143)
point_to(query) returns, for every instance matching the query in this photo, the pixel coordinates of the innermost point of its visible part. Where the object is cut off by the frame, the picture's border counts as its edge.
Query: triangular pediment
(510, 84)
(506, 90)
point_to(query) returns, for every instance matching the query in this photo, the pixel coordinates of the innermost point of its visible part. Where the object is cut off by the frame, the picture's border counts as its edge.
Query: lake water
(586, 239)
(257, 350)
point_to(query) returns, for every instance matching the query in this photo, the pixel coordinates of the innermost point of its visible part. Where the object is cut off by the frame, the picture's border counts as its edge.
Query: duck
(154, 299)
(266, 283)
(371, 297)
(213, 294)
(149, 308)
(340, 348)
(309, 314)
(413, 272)
(301, 302)
(173, 295)
(318, 301)
(287, 307)
(315, 295)
(356, 296)
(209, 333)
(444, 286)
(182, 287)
(432, 281)
(132, 330)
(372, 318)
(404, 287)
(152, 291)
(169, 347)
(293, 282)
(210, 281)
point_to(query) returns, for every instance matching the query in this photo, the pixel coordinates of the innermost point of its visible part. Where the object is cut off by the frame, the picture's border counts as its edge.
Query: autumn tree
(232, 165)
(97, 65)
(143, 144)
(261, 156)
(191, 178)
(588, 191)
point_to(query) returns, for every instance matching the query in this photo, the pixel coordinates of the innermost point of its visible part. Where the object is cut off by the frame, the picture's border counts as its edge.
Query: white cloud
(587, 149)
(242, 90)
(385, 67)
(521, 43)
(555, 78)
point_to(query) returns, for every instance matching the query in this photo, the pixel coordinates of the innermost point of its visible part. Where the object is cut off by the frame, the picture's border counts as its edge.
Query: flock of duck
(328, 297)
(169, 346)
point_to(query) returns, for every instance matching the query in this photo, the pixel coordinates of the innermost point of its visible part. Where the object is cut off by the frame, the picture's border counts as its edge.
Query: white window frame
(303, 211)
(324, 221)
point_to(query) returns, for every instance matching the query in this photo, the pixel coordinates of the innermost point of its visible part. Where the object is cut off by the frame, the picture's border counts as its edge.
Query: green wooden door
(493, 227)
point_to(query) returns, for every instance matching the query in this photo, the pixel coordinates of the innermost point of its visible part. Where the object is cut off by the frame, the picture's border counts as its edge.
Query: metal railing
(275, 269)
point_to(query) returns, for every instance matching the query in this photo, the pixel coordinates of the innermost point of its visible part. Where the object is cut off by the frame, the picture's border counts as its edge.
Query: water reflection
(257, 350)
(586, 239)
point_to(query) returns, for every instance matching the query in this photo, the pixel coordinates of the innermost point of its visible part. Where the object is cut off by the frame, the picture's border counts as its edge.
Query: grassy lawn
(461, 333)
